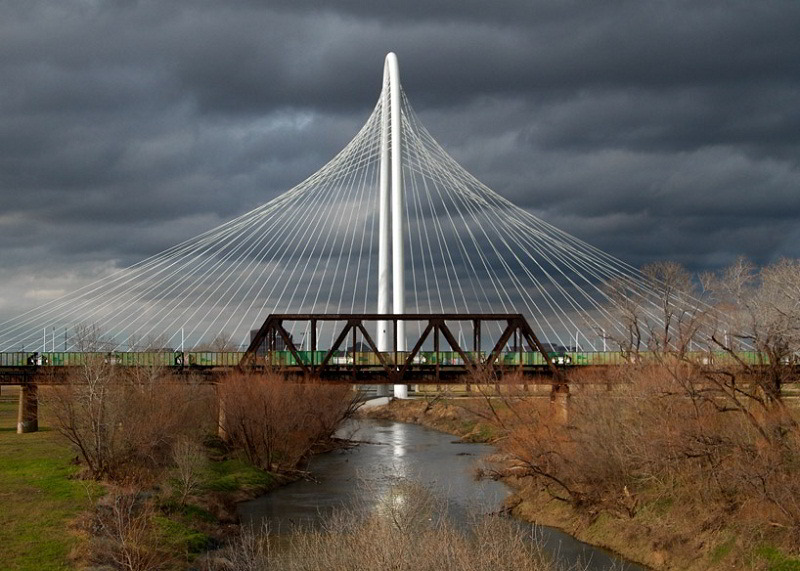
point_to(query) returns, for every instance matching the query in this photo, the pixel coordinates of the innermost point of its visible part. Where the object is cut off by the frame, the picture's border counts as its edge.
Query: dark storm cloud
(651, 129)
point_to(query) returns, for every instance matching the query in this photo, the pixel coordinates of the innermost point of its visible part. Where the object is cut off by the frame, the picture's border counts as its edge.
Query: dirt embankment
(440, 414)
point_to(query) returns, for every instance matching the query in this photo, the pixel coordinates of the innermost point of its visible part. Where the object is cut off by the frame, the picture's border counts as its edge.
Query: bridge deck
(345, 373)
(367, 369)
(272, 348)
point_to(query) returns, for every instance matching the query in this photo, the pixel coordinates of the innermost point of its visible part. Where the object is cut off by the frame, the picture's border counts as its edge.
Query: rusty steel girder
(397, 371)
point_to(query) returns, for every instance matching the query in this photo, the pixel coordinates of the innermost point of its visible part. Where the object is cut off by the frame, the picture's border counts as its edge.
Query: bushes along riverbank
(672, 466)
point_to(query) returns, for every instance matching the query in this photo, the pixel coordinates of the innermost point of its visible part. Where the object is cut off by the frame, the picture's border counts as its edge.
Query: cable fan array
(314, 249)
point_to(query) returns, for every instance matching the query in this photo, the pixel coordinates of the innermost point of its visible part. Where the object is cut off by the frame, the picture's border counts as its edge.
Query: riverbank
(667, 532)
(55, 516)
(406, 498)
(49, 511)
(39, 496)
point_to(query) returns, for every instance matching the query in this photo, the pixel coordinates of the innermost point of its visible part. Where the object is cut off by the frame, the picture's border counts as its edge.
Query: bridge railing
(52, 358)
(213, 358)
(366, 359)
(123, 358)
(528, 358)
(363, 358)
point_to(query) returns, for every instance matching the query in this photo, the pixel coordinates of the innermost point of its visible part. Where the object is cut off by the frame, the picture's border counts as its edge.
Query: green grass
(477, 431)
(180, 537)
(180, 528)
(39, 498)
(189, 511)
(776, 559)
(235, 474)
(722, 550)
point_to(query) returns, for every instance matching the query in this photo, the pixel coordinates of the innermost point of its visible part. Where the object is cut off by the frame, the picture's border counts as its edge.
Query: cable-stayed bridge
(392, 225)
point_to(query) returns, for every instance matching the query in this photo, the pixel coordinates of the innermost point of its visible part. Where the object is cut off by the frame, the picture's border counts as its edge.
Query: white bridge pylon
(391, 200)
(392, 192)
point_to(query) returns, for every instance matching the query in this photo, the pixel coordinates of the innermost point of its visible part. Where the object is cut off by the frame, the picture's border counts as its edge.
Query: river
(362, 475)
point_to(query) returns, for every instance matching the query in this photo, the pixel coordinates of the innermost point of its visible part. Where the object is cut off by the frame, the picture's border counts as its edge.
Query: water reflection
(399, 440)
(362, 478)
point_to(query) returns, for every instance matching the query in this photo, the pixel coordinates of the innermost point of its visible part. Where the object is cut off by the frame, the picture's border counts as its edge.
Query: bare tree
(777, 306)
(189, 458)
(763, 311)
(664, 315)
(221, 343)
(121, 421)
(681, 314)
(626, 304)
(88, 338)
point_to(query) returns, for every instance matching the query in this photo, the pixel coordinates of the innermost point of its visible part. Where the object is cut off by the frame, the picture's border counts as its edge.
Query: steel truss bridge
(397, 366)
(444, 361)
(448, 362)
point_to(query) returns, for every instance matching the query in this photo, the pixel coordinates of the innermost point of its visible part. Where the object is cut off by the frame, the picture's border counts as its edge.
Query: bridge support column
(28, 414)
(222, 423)
(559, 403)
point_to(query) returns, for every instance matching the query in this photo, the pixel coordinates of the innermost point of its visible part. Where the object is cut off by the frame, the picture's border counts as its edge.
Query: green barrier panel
(365, 358)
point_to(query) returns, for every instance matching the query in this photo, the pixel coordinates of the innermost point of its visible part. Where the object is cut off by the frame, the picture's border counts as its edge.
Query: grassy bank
(46, 508)
(160, 488)
(207, 519)
(40, 499)
(683, 527)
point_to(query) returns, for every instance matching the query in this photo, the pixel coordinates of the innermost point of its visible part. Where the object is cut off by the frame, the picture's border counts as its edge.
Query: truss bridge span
(436, 355)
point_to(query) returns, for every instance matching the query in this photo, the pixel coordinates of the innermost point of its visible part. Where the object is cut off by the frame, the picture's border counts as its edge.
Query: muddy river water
(359, 478)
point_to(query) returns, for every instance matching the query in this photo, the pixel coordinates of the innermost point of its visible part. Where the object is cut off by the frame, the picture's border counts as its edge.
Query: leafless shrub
(121, 422)
(277, 422)
(663, 432)
(189, 459)
(221, 343)
(248, 551)
(123, 536)
(496, 398)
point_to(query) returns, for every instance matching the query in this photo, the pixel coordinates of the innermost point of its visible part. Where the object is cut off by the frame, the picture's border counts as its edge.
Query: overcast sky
(653, 130)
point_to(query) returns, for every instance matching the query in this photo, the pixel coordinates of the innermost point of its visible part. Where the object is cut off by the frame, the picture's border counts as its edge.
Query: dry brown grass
(408, 531)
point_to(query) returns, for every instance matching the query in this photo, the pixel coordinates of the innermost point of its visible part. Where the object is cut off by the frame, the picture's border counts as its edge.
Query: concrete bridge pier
(28, 414)
(222, 424)
(560, 403)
